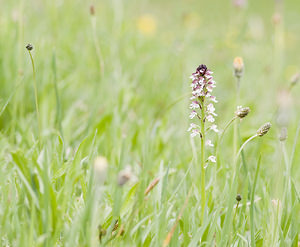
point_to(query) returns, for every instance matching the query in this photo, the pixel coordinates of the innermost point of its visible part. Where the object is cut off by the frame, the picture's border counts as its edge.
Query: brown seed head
(238, 197)
(242, 112)
(92, 9)
(264, 129)
(124, 176)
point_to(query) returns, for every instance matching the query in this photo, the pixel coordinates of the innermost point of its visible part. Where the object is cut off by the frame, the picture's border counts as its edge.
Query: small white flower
(195, 132)
(194, 85)
(192, 126)
(194, 105)
(210, 118)
(212, 159)
(201, 80)
(193, 114)
(213, 99)
(209, 143)
(208, 77)
(211, 109)
(198, 92)
(193, 97)
(214, 128)
(209, 88)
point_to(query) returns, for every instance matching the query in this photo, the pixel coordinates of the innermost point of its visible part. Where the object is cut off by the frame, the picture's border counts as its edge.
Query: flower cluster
(202, 104)
(202, 98)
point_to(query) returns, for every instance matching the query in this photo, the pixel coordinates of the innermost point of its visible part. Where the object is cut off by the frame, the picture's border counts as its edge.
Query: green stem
(97, 46)
(237, 100)
(36, 98)
(203, 196)
(228, 218)
(236, 209)
(244, 144)
(252, 226)
(58, 104)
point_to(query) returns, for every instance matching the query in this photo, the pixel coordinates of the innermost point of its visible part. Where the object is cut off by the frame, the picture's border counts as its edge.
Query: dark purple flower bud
(202, 69)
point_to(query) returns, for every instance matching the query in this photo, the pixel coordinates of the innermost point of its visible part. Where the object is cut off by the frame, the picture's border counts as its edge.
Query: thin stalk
(222, 134)
(228, 218)
(252, 226)
(97, 46)
(36, 97)
(288, 166)
(169, 106)
(17, 107)
(203, 195)
(58, 104)
(244, 144)
(236, 209)
(235, 133)
(233, 189)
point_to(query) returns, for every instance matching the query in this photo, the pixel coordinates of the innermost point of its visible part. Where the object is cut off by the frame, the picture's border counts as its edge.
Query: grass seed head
(238, 197)
(242, 112)
(264, 129)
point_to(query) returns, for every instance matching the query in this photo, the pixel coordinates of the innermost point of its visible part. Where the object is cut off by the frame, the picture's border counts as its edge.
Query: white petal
(212, 159)
(214, 128)
(209, 143)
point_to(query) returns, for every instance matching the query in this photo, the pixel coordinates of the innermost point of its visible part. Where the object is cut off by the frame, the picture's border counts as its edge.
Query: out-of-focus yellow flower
(146, 24)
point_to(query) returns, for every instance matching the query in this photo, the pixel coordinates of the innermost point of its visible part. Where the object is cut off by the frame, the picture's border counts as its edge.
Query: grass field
(101, 112)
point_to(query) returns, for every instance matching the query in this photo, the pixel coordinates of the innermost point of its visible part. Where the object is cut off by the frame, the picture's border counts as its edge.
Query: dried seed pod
(264, 129)
(29, 47)
(242, 112)
(102, 232)
(124, 176)
(238, 197)
(151, 186)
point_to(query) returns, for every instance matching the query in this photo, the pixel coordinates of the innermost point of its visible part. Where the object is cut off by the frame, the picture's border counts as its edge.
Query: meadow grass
(113, 81)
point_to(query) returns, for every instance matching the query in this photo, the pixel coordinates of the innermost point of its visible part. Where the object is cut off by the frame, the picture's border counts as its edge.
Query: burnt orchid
(203, 110)
(202, 103)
